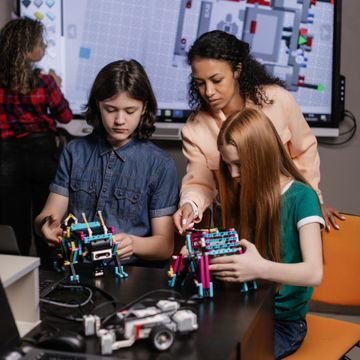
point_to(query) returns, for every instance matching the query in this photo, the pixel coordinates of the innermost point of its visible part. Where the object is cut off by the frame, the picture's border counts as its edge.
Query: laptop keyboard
(46, 286)
(48, 282)
(43, 284)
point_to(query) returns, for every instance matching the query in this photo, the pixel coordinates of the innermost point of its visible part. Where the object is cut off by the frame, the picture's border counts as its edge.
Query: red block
(253, 27)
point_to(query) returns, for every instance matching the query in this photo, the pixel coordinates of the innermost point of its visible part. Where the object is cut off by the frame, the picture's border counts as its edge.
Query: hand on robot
(184, 251)
(126, 245)
(51, 230)
(184, 218)
(240, 267)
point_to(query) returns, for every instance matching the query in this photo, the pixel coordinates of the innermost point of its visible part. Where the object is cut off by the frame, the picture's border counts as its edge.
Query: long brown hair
(17, 39)
(253, 204)
(120, 76)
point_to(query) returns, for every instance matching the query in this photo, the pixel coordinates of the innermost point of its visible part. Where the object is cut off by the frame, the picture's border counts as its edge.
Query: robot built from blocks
(201, 245)
(88, 240)
(159, 324)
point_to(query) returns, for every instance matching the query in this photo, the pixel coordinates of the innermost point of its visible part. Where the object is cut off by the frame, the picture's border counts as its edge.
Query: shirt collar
(219, 117)
(124, 152)
(287, 187)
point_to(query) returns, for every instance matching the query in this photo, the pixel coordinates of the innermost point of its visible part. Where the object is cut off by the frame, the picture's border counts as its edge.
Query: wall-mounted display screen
(298, 41)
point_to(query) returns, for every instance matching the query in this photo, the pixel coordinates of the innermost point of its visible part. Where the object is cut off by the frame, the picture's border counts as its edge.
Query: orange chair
(328, 338)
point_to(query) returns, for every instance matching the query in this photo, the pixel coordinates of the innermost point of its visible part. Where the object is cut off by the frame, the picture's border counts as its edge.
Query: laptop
(10, 341)
(49, 280)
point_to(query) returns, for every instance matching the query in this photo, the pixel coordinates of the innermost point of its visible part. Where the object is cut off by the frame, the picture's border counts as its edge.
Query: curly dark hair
(220, 45)
(17, 38)
(115, 78)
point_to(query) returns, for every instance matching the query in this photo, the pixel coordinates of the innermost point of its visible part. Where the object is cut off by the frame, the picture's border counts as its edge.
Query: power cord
(68, 305)
(146, 295)
(350, 133)
(90, 289)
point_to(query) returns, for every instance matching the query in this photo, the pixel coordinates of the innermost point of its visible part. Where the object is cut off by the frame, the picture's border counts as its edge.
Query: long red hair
(253, 204)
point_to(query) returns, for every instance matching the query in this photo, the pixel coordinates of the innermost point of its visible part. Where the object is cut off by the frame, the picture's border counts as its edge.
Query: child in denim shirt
(117, 170)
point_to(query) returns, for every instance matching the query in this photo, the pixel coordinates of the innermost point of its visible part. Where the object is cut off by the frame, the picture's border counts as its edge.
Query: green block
(301, 40)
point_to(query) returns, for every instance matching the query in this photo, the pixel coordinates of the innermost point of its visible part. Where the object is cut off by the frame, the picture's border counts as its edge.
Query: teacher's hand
(184, 218)
(330, 215)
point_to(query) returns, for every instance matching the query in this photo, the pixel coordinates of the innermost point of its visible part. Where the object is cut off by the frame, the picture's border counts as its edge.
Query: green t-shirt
(299, 206)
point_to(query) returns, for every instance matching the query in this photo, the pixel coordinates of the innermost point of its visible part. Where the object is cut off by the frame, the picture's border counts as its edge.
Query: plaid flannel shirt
(33, 112)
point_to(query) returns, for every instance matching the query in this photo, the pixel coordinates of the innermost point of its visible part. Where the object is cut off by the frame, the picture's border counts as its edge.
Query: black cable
(112, 300)
(71, 305)
(67, 318)
(29, 340)
(352, 131)
(128, 305)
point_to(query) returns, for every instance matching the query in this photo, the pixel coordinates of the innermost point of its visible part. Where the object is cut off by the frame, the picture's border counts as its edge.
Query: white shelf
(20, 278)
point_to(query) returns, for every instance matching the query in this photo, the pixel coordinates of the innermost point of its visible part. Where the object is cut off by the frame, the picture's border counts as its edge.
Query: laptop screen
(9, 334)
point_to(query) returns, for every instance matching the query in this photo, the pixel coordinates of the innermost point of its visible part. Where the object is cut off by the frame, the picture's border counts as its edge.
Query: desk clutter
(163, 319)
(93, 241)
(58, 344)
(158, 320)
(103, 311)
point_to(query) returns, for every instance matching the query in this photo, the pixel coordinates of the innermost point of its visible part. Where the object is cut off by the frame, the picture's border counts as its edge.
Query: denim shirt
(130, 185)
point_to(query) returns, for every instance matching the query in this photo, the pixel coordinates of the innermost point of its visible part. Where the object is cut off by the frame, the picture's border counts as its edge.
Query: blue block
(84, 53)
(120, 273)
(50, 3)
(244, 287)
(89, 239)
(211, 290)
(172, 281)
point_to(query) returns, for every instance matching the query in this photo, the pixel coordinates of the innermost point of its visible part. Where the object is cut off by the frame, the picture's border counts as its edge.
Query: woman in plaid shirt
(30, 102)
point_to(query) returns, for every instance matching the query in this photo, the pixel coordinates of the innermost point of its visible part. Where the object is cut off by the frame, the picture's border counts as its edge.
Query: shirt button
(104, 189)
(109, 166)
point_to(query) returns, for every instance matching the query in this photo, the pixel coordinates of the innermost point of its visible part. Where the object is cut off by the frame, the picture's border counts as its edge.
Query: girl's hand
(240, 267)
(56, 77)
(184, 251)
(126, 245)
(330, 215)
(51, 230)
(184, 218)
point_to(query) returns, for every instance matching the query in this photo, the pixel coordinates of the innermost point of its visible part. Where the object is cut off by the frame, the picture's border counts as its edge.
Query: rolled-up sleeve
(165, 197)
(60, 185)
